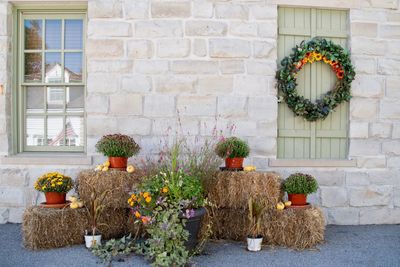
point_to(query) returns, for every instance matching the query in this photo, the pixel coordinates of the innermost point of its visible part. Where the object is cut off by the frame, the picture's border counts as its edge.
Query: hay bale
(232, 189)
(297, 229)
(120, 182)
(52, 228)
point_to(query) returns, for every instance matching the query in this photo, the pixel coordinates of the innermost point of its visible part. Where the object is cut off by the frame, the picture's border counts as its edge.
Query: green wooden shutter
(298, 138)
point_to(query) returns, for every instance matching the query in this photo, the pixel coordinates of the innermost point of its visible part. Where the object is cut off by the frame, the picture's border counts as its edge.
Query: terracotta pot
(234, 163)
(298, 199)
(55, 197)
(118, 162)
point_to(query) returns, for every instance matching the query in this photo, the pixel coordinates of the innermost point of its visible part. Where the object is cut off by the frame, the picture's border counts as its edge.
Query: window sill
(312, 163)
(46, 159)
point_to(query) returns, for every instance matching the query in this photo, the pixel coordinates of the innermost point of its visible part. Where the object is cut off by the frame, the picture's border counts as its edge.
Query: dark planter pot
(55, 198)
(118, 162)
(193, 227)
(234, 163)
(298, 199)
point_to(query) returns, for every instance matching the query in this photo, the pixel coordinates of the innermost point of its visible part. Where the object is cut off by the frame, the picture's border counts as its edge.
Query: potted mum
(254, 239)
(233, 150)
(298, 186)
(55, 187)
(118, 148)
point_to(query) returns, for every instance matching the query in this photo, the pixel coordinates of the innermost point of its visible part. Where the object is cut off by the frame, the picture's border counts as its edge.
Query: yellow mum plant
(54, 182)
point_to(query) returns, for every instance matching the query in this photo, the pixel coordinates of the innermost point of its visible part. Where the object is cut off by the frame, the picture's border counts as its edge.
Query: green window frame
(50, 80)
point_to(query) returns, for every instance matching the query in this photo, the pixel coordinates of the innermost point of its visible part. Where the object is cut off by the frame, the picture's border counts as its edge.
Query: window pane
(74, 131)
(34, 99)
(35, 131)
(75, 99)
(33, 67)
(73, 34)
(53, 34)
(55, 131)
(33, 34)
(73, 67)
(53, 68)
(55, 99)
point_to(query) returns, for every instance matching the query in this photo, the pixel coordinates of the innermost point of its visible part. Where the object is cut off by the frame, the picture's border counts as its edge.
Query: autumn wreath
(315, 50)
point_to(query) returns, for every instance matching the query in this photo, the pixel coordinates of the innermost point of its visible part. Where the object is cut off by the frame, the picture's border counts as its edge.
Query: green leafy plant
(232, 147)
(256, 211)
(114, 248)
(167, 236)
(117, 145)
(300, 183)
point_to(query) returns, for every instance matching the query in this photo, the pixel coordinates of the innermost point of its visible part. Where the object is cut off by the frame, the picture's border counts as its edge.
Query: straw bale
(51, 228)
(297, 229)
(232, 189)
(120, 182)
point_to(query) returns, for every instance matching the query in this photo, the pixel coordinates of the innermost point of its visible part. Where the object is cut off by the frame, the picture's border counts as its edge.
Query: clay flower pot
(55, 198)
(118, 162)
(298, 199)
(234, 163)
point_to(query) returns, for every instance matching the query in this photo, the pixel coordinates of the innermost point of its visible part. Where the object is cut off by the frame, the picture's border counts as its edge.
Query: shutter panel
(298, 138)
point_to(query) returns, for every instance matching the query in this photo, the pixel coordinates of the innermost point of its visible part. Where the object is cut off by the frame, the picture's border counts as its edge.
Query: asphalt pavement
(369, 245)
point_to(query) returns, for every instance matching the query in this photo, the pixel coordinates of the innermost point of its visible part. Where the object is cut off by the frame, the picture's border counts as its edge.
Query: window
(298, 138)
(51, 81)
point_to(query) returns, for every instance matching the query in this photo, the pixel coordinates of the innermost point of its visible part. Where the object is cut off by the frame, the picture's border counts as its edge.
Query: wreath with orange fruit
(315, 50)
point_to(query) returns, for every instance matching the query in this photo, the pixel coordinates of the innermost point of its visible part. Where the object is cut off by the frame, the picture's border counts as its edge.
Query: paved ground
(345, 246)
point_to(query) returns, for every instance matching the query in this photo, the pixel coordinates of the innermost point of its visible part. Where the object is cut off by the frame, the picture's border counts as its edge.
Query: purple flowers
(189, 213)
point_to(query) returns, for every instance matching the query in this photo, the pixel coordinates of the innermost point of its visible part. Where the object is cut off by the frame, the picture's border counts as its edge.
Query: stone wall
(215, 61)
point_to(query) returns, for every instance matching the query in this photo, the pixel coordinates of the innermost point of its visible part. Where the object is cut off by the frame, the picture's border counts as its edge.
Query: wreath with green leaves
(317, 49)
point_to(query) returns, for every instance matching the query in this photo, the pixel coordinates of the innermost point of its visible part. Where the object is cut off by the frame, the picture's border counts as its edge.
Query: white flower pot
(91, 240)
(254, 244)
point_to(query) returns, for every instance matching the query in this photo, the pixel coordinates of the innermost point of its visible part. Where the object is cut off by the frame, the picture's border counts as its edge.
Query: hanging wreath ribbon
(315, 50)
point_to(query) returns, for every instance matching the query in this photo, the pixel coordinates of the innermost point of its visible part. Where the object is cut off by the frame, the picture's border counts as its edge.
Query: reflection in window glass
(74, 131)
(55, 99)
(33, 34)
(73, 67)
(53, 34)
(73, 34)
(55, 131)
(75, 99)
(35, 131)
(53, 68)
(34, 99)
(33, 67)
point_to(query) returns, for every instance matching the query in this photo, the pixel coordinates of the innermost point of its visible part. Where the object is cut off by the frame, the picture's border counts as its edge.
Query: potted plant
(118, 148)
(55, 187)
(298, 186)
(233, 150)
(95, 207)
(254, 239)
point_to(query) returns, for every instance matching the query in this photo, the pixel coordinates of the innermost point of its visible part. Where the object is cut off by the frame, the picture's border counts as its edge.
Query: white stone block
(264, 49)
(390, 109)
(379, 215)
(202, 9)
(365, 29)
(4, 214)
(356, 178)
(102, 83)
(364, 147)
(13, 177)
(173, 48)
(205, 28)
(333, 196)
(11, 196)
(268, 29)
(243, 28)
(229, 48)
(258, 146)
(231, 11)
(137, 9)
(232, 66)
(197, 105)
(170, 9)
(363, 108)
(175, 84)
(393, 4)
(264, 108)
(165, 126)
(104, 9)
(343, 216)
(96, 103)
(250, 85)
(199, 47)
(329, 178)
(388, 66)
(158, 28)
(393, 86)
(232, 107)
(15, 215)
(370, 196)
(396, 196)
(194, 67)
(263, 12)
(126, 104)
(391, 147)
(266, 67)
(368, 86)
(110, 66)
(109, 28)
(140, 49)
(389, 31)
(358, 129)
(371, 162)
(104, 48)
(134, 126)
(367, 46)
(159, 106)
(393, 162)
(396, 131)
(151, 66)
(364, 65)
(98, 126)
(381, 130)
(215, 85)
(136, 83)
